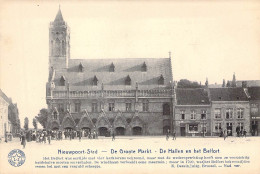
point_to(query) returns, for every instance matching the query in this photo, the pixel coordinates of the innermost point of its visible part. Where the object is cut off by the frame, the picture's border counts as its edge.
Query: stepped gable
(192, 96)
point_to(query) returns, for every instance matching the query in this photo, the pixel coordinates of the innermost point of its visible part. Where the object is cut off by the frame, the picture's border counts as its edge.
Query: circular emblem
(16, 157)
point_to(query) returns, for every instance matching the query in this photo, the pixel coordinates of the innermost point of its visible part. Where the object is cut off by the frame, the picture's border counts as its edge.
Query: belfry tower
(59, 43)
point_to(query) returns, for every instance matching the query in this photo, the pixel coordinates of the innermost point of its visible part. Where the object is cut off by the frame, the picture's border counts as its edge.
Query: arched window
(166, 109)
(63, 48)
(51, 48)
(57, 47)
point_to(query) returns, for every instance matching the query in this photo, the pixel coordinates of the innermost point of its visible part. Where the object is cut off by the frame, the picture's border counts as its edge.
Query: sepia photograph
(130, 86)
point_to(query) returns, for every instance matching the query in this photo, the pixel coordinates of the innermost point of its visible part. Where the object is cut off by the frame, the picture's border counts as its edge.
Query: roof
(58, 17)
(249, 83)
(2, 94)
(254, 93)
(131, 67)
(228, 94)
(194, 96)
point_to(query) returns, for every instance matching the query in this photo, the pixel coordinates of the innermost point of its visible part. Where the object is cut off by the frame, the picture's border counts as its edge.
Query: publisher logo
(16, 157)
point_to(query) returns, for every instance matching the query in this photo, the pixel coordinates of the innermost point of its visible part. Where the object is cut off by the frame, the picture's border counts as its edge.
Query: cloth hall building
(132, 96)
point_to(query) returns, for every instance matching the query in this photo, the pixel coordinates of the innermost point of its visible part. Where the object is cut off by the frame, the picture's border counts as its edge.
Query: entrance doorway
(137, 130)
(85, 131)
(165, 129)
(120, 131)
(183, 132)
(103, 131)
(229, 129)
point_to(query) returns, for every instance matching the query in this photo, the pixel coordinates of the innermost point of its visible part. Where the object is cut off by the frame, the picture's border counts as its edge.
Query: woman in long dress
(23, 140)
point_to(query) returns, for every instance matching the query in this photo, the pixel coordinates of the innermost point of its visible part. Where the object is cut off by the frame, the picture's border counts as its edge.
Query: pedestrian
(167, 134)
(70, 134)
(80, 135)
(49, 137)
(6, 137)
(23, 140)
(225, 134)
(173, 134)
(113, 135)
(244, 133)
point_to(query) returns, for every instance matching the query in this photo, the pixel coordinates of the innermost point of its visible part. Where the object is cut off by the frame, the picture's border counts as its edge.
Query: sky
(207, 39)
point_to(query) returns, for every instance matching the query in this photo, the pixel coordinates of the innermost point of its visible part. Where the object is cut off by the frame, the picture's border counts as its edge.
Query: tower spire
(59, 17)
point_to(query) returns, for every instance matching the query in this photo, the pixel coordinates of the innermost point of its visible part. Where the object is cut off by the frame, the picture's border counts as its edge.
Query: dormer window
(144, 67)
(128, 80)
(161, 80)
(62, 81)
(81, 67)
(112, 67)
(95, 81)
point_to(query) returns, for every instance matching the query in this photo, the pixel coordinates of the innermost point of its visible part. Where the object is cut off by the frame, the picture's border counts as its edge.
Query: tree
(224, 83)
(35, 123)
(207, 82)
(19, 124)
(228, 84)
(26, 123)
(184, 83)
(42, 117)
(234, 82)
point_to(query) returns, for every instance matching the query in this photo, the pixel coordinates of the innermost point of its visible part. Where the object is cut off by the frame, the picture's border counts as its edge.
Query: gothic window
(95, 81)
(166, 109)
(61, 107)
(94, 107)
(81, 68)
(161, 80)
(77, 107)
(111, 107)
(144, 67)
(52, 47)
(112, 67)
(128, 106)
(128, 80)
(57, 47)
(62, 81)
(145, 106)
(63, 48)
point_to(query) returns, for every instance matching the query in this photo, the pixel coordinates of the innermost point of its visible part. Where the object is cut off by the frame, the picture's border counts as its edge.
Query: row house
(230, 110)
(192, 112)
(254, 101)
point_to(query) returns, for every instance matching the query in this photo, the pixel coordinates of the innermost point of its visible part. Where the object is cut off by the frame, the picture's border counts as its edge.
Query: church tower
(59, 43)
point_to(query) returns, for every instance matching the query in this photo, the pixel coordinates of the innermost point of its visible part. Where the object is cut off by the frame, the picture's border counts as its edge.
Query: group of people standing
(168, 135)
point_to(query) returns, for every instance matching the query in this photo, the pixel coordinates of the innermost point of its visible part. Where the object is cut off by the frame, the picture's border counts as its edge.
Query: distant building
(248, 83)
(230, 110)
(5, 125)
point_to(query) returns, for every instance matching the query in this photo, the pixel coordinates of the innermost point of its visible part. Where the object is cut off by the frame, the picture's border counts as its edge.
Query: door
(183, 131)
